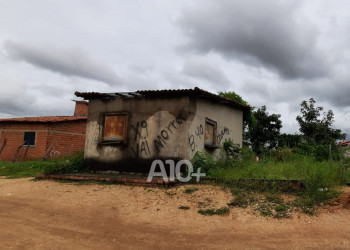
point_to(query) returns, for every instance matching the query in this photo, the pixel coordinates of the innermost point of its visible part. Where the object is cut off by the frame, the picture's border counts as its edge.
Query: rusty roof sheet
(166, 93)
(43, 119)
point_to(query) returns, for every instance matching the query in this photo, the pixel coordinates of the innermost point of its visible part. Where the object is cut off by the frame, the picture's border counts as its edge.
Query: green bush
(228, 144)
(247, 155)
(232, 151)
(320, 151)
(304, 149)
(266, 152)
(204, 161)
(72, 164)
(284, 154)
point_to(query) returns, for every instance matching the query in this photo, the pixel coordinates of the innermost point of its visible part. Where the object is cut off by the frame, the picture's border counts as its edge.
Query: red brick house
(30, 138)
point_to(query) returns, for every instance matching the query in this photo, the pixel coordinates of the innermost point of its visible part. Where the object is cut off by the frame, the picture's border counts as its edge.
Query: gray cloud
(229, 45)
(334, 91)
(15, 99)
(69, 62)
(202, 69)
(257, 32)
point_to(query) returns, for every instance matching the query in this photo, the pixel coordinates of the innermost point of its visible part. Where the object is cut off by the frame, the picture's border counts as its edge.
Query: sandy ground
(47, 214)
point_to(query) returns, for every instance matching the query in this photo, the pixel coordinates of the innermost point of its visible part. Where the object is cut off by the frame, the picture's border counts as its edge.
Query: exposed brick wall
(52, 140)
(14, 135)
(66, 138)
(81, 108)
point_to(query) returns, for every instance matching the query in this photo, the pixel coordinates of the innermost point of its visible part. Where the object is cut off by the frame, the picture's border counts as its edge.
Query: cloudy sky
(273, 53)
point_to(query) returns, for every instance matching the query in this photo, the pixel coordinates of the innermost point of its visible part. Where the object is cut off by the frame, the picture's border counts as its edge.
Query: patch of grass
(22, 169)
(275, 198)
(240, 200)
(71, 164)
(310, 200)
(242, 197)
(272, 205)
(190, 190)
(211, 212)
(320, 178)
(265, 210)
(281, 211)
(184, 207)
(297, 167)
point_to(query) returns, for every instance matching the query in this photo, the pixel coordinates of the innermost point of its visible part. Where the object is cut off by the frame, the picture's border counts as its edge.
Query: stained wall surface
(156, 128)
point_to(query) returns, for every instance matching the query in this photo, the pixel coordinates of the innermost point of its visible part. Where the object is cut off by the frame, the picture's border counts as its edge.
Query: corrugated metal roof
(43, 119)
(166, 93)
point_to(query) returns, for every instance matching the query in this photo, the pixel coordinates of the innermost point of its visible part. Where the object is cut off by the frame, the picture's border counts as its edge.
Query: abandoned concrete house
(126, 131)
(30, 138)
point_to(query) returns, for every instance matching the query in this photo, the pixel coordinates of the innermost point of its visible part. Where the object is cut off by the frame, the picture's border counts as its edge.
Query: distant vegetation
(311, 157)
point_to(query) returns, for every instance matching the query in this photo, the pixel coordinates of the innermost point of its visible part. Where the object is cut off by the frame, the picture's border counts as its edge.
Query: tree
(233, 96)
(289, 140)
(259, 128)
(265, 130)
(316, 126)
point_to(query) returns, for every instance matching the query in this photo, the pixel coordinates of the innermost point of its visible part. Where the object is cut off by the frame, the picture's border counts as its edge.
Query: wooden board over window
(115, 128)
(210, 133)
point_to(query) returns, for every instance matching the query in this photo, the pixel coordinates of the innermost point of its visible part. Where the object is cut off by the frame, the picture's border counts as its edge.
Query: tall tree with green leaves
(289, 140)
(260, 128)
(265, 131)
(316, 125)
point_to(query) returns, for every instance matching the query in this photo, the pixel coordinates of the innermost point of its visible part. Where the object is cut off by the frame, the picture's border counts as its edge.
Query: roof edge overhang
(41, 120)
(171, 93)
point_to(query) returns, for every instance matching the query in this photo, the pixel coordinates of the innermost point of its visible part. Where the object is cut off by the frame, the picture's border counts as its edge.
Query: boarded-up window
(115, 127)
(29, 139)
(210, 133)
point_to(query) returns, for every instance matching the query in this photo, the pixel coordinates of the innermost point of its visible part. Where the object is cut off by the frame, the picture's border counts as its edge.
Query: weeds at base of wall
(23, 169)
(69, 165)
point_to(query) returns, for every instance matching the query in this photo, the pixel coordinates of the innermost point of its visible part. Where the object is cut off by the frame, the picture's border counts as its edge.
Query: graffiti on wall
(199, 134)
(143, 143)
(221, 134)
(54, 151)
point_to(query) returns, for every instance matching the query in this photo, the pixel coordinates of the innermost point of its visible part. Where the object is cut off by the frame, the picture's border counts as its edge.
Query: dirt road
(47, 214)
